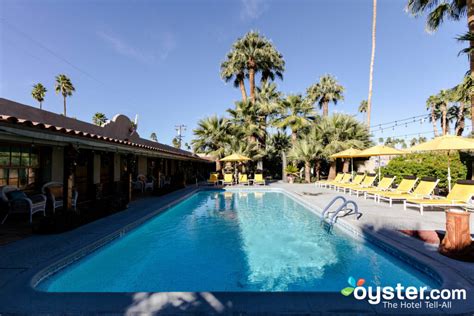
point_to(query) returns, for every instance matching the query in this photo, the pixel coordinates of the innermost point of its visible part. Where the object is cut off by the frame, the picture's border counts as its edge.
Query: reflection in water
(286, 253)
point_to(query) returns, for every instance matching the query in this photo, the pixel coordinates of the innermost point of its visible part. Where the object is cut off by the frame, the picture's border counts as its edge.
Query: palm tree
(462, 94)
(432, 104)
(246, 117)
(38, 93)
(234, 68)
(280, 143)
(212, 135)
(336, 133)
(444, 97)
(259, 55)
(305, 150)
(99, 119)
(325, 91)
(438, 11)
(64, 87)
(153, 137)
(268, 100)
(295, 114)
(372, 60)
(363, 107)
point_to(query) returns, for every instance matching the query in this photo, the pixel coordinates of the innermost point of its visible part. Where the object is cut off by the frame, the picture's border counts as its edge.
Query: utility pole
(180, 129)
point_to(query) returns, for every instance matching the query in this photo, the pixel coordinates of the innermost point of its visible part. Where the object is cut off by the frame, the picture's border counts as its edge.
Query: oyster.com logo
(352, 282)
(399, 296)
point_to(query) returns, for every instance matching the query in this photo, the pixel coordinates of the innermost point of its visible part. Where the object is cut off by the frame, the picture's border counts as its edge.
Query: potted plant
(291, 173)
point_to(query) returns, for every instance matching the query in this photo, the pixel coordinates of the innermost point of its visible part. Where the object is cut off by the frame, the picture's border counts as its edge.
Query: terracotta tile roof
(17, 113)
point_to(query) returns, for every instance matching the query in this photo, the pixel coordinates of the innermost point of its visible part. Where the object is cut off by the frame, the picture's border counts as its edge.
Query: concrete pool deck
(22, 261)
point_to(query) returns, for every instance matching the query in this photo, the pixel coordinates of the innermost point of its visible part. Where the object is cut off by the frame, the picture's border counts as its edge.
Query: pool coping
(26, 282)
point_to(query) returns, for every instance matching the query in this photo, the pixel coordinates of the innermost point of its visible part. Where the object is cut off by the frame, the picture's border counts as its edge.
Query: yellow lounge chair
(355, 182)
(423, 190)
(258, 179)
(243, 179)
(323, 183)
(367, 183)
(460, 195)
(228, 179)
(213, 178)
(346, 178)
(406, 186)
(384, 185)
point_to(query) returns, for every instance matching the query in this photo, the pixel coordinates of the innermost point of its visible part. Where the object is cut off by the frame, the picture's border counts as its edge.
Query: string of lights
(418, 119)
(467, 128)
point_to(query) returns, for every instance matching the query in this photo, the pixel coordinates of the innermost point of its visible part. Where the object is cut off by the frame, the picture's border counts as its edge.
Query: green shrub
(427, 165)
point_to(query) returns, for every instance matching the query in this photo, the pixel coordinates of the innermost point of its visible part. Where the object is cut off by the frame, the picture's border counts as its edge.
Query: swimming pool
(233, 241)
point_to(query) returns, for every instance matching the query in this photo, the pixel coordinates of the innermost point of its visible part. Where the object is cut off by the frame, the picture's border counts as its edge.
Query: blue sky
(160, 59)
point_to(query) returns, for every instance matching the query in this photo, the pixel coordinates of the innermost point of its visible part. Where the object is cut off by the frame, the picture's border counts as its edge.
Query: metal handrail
(342, 207)
(326, 209)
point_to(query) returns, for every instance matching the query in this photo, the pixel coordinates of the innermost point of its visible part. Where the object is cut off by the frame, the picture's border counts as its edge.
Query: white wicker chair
(23, 204)
(55, 200)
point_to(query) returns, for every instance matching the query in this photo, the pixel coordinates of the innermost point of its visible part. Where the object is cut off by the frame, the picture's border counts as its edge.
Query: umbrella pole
(449, 173)
(379, 168)
(352, 167)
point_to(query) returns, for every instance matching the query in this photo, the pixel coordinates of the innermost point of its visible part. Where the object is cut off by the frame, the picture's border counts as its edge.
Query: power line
(18, 31)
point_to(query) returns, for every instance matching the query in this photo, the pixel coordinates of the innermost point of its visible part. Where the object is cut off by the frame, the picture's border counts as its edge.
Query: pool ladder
(346, 205)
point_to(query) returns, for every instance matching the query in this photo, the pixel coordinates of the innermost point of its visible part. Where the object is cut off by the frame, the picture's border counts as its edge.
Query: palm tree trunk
(460, 120)
(444, 120)
(64, 105)
(252, 84)
(325, 108)
(294, 137)
(332, 170)
(243, 91)
(218, 165)
(317, 167)
(283, 166)
(434, 122)
(307, 171)
(372, 59)
(470, 23)
(41, 105)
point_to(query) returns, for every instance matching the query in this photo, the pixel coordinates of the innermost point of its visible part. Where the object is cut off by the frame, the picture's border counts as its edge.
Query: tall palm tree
(260, 56)
(65, 88)
(233, 68)
(438, 11)
(445, 97)
(99, 119)
(372, 60)
(296, 114)
(280, 143)
(305, 150)
(38, 93)
(461, 95)
(211, 137)
(325, 91)
(153, 137)
(432, 104)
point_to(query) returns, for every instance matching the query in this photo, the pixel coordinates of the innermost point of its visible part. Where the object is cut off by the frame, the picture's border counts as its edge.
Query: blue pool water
(233, 241)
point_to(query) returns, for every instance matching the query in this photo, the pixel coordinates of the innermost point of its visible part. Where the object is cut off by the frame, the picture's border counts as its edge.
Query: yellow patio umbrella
(235, 158)
(378, 151)
(446, 143)
(348, 153)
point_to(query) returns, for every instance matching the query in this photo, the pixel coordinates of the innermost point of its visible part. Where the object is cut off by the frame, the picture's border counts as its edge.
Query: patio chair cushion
(56, 191)
(16, 194)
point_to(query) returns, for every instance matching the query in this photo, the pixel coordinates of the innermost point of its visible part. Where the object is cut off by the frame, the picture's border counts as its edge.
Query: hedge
(427, 165)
